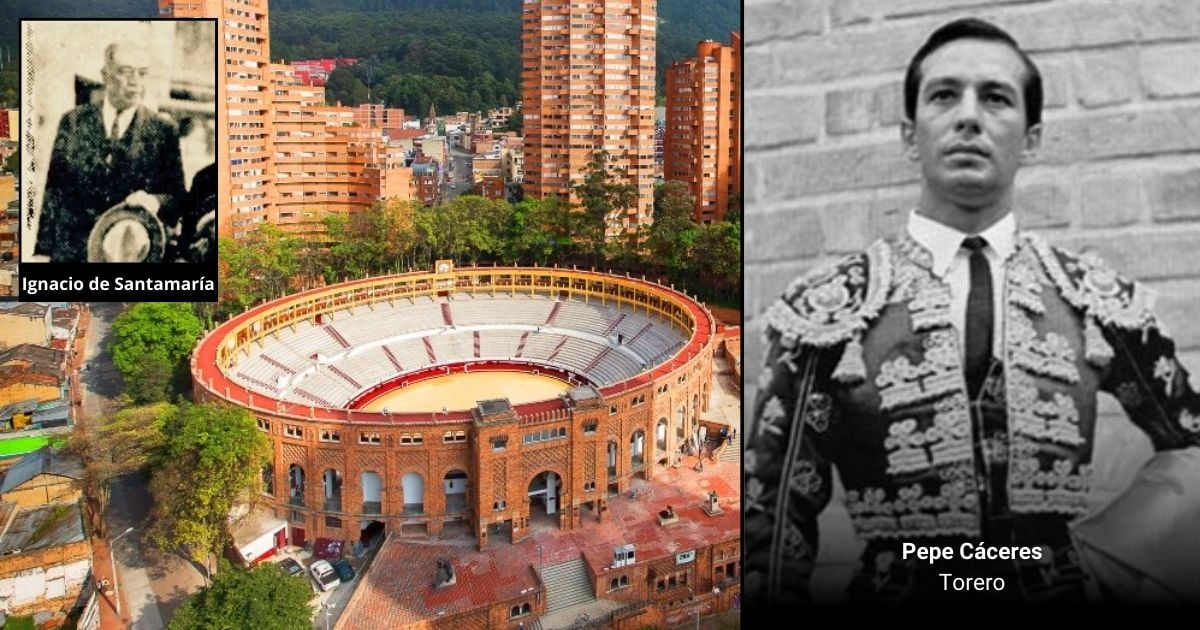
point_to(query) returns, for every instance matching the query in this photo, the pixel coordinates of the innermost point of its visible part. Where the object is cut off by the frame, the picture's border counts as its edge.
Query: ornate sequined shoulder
(833, 303)
(1090, 286)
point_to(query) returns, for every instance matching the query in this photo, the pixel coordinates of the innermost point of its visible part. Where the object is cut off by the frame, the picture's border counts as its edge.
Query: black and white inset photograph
(118, 141)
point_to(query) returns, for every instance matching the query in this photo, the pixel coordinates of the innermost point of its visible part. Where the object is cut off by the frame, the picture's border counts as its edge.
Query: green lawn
(19, 623)
(22, 445)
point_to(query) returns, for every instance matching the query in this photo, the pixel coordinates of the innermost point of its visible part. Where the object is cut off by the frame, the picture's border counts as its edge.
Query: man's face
(125, 77)
(970, 132)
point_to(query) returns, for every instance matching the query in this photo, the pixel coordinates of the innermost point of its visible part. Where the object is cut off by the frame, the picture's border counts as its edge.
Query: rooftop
(43, 527)
(33, 355)
(42, 461)
(399, 589)
(30, 309)
(254, 524)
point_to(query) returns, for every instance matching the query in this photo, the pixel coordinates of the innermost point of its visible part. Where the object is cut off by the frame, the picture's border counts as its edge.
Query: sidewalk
(102, 569)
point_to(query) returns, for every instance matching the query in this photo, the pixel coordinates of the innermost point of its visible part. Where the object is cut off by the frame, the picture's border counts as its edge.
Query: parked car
(344, 571)
(323, 573)
(291, 567)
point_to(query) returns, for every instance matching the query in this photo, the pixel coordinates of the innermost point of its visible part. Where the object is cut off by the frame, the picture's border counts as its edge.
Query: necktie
(116, 129)
(979, 316)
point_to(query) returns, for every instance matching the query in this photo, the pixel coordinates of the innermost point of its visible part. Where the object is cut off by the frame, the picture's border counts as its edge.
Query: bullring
(634, 357)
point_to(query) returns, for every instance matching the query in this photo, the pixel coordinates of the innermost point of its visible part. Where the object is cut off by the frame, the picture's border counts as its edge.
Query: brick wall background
(1119, 169)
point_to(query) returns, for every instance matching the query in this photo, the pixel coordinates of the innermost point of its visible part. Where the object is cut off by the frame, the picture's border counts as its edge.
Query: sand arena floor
(463, 390)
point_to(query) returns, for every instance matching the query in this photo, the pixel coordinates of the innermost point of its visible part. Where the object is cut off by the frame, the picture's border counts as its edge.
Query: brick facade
(1117, 172)
(672, 395)
(245, 162)
(702, 146)
(573, 106)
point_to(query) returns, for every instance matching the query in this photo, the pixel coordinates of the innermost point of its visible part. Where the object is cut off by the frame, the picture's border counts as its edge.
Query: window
(499, 443)
(638, 400)
(454, 436)
(589, 428)
(612, 411)
(727, 571)
(264, 425)
(673, 580)
(410, 439)
(589, 486)
(520, 611)
(292, 431)
(333, 521)
(544, 435)
(499, 505)
(297, 517)
(618, 582)
(368, 438)
(329, 435)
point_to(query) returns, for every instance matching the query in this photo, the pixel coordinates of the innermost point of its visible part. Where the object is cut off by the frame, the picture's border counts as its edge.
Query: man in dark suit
(109, 153)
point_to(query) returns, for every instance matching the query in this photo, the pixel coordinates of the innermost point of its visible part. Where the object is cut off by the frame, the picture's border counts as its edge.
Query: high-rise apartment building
(703, 144)
(326, 160)
(587, 84)
(244, 164)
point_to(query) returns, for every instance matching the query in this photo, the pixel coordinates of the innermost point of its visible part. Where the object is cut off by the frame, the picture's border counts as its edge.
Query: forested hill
(458, 54)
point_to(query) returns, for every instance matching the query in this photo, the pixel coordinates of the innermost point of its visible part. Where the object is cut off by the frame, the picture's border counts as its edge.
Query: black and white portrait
(118, 141)
(971, 332)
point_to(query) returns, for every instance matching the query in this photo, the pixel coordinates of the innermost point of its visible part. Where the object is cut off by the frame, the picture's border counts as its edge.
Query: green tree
(379, 240)
(213, 456)
(151, 345)
(673, 236)
(258, 267)
(516, 122)
(485, 220)
(605, 193)
(264, 598)
(539, 231)
(345, 88)
(721, 265)
(127, 441)
(13, 162)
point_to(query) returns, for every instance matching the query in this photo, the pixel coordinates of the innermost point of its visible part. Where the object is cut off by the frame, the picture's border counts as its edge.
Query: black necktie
(116, 129)
(979, 316)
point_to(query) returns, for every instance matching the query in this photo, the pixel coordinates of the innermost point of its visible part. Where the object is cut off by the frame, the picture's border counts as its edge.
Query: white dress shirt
(951, 263)
(123, 118)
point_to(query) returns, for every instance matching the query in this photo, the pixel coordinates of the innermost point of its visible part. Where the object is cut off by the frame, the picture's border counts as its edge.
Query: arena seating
(354, 349)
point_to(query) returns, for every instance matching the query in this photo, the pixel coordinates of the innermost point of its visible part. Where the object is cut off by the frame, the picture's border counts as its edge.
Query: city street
(152, 583)
(461, 174)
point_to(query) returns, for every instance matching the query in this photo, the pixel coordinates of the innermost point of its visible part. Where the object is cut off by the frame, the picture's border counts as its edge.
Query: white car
(323, 573)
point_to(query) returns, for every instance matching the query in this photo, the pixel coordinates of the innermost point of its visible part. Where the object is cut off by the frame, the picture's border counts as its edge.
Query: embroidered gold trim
(1062, 489)
(950, 511)
(819, 412)
(901, 383)
(1099, 292)
(852, 368)
(833, 317)
(1096, 348)
(1052, 356)
(1024, 284)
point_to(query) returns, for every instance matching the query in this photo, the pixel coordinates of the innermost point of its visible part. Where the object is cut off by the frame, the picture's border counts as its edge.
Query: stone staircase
(567, 584)
(733, 450)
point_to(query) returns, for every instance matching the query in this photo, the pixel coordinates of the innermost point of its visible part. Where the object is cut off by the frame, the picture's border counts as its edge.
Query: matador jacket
(864, 372)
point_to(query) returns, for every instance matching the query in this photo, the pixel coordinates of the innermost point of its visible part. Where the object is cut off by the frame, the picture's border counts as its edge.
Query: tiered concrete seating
(282, 364)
